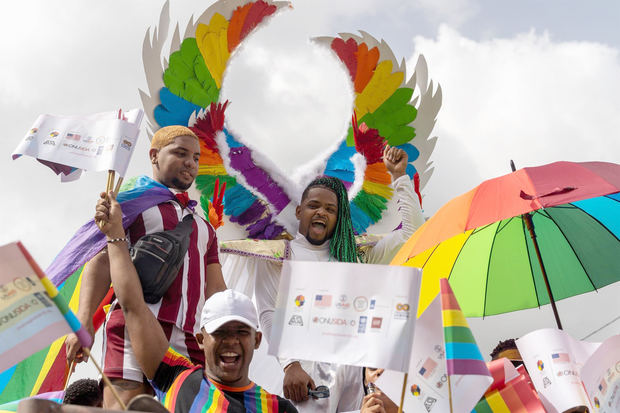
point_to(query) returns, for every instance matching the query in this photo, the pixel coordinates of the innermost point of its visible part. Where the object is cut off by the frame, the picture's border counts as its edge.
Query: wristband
(112, 240)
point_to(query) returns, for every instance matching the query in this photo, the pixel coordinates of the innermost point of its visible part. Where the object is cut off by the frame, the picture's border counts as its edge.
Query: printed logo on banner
(597, 403)
(6, 292)
(73, 136)
(429, 402)
(300, 300)
(376, 323)
(360, 303)
(567, 373)
(540, 365)
(334, 321)
(29, 138)
(361, 329)
(442, 380)
(402, 312)
(109, 148)
(560, 358)
(372, 304)
(54, 134)
(428, 368)
(49, 142)
(440, 351)
(415, 390)
(323, 300)
(33, 131)
(603, 387)
(342, 303)
(101, 140)
(88, 139)
(546, 382)
(296, 320)
(42, 298)
(24, 284)
(125, 144)
(99, 150)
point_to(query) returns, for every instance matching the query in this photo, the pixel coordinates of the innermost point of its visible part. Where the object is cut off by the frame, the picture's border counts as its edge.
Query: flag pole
(450, 392)
(402, 394)
(105, 378)
(108, 187)
(117, 188)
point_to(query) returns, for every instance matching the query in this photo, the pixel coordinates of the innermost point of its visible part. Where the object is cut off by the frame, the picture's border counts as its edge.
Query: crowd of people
(192, 348)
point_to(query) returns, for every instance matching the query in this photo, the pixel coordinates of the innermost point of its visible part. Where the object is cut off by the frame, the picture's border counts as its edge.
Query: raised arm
(95, 285)
(408, 205)
(147, 337)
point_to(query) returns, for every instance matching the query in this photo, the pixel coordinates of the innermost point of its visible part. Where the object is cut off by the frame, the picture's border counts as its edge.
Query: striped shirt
(182, 303)
(183, 388)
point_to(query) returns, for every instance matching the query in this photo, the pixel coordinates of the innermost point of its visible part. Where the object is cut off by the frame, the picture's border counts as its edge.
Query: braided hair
(342, 244)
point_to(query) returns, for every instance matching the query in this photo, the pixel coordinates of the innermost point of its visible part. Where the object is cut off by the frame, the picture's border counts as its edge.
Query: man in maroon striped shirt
(174, 154)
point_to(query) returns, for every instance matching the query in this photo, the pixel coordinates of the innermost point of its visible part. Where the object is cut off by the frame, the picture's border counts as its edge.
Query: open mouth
(229, 359)
(319, 225)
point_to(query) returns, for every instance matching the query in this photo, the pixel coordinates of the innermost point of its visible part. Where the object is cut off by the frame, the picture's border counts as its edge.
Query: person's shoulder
(285, 405)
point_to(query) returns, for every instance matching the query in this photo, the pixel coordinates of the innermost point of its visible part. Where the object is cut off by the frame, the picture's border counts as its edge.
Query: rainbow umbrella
(524, 239)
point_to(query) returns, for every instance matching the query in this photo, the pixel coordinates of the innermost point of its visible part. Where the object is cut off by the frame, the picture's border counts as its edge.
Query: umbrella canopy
(481, 243)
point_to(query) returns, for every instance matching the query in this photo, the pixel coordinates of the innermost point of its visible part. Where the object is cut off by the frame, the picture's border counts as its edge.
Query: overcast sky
(531, 81)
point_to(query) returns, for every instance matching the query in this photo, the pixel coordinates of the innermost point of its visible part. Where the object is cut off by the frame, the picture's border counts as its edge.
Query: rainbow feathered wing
(259, 197)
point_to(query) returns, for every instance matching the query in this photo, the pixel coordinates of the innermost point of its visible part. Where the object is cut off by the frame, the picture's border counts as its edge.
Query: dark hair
(84, 392)
(342, 244)
(503, 345)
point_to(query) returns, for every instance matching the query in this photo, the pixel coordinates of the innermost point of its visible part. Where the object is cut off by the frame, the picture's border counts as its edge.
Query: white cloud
(525, 98)
(452, 12)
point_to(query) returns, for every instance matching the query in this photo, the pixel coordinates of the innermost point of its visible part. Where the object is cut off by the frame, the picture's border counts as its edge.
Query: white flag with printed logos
(355, 314)
(601, 376)
(553, 359)
(70, 144)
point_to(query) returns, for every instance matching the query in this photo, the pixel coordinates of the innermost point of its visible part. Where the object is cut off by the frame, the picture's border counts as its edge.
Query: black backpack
(158, 257)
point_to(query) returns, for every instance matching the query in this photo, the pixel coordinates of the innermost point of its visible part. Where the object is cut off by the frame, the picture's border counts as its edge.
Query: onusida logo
(334, 321)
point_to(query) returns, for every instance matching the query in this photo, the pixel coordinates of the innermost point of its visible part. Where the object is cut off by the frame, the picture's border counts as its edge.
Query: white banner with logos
(554, 359)
(601, 376)
(97, 142)
(356, 314)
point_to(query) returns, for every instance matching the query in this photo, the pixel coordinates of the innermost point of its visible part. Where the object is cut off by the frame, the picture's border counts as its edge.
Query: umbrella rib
(613, 199)
(597, 220)
(573, 249)
(525, 237)
(431, 254)
(459, 254)
(486, 284)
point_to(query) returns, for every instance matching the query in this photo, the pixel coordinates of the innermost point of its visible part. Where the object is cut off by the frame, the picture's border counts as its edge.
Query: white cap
(225, 306)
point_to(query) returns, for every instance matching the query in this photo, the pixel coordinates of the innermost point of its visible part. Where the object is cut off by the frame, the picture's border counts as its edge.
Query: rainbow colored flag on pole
(446, 371)
(46, 370)
(468, 375)
(510, 391)
(32, 315)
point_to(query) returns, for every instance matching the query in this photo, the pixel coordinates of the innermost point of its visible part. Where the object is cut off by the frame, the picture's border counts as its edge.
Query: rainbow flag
(468, 374)
(40, 314)
(510, 391)
(47, 369)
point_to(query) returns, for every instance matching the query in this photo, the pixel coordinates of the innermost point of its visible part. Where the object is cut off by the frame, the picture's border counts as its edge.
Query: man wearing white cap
(228, 337)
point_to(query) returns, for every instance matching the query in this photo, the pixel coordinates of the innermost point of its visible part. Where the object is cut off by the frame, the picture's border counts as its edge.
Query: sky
(531, 81)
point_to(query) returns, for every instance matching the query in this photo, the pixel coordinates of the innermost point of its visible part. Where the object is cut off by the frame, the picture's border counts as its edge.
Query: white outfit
(345, 382)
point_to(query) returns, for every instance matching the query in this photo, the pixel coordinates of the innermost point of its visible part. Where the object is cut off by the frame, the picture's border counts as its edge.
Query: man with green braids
(326, 234)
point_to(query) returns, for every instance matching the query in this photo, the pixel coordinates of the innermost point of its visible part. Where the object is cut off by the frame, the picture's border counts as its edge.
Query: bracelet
(110, 241)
